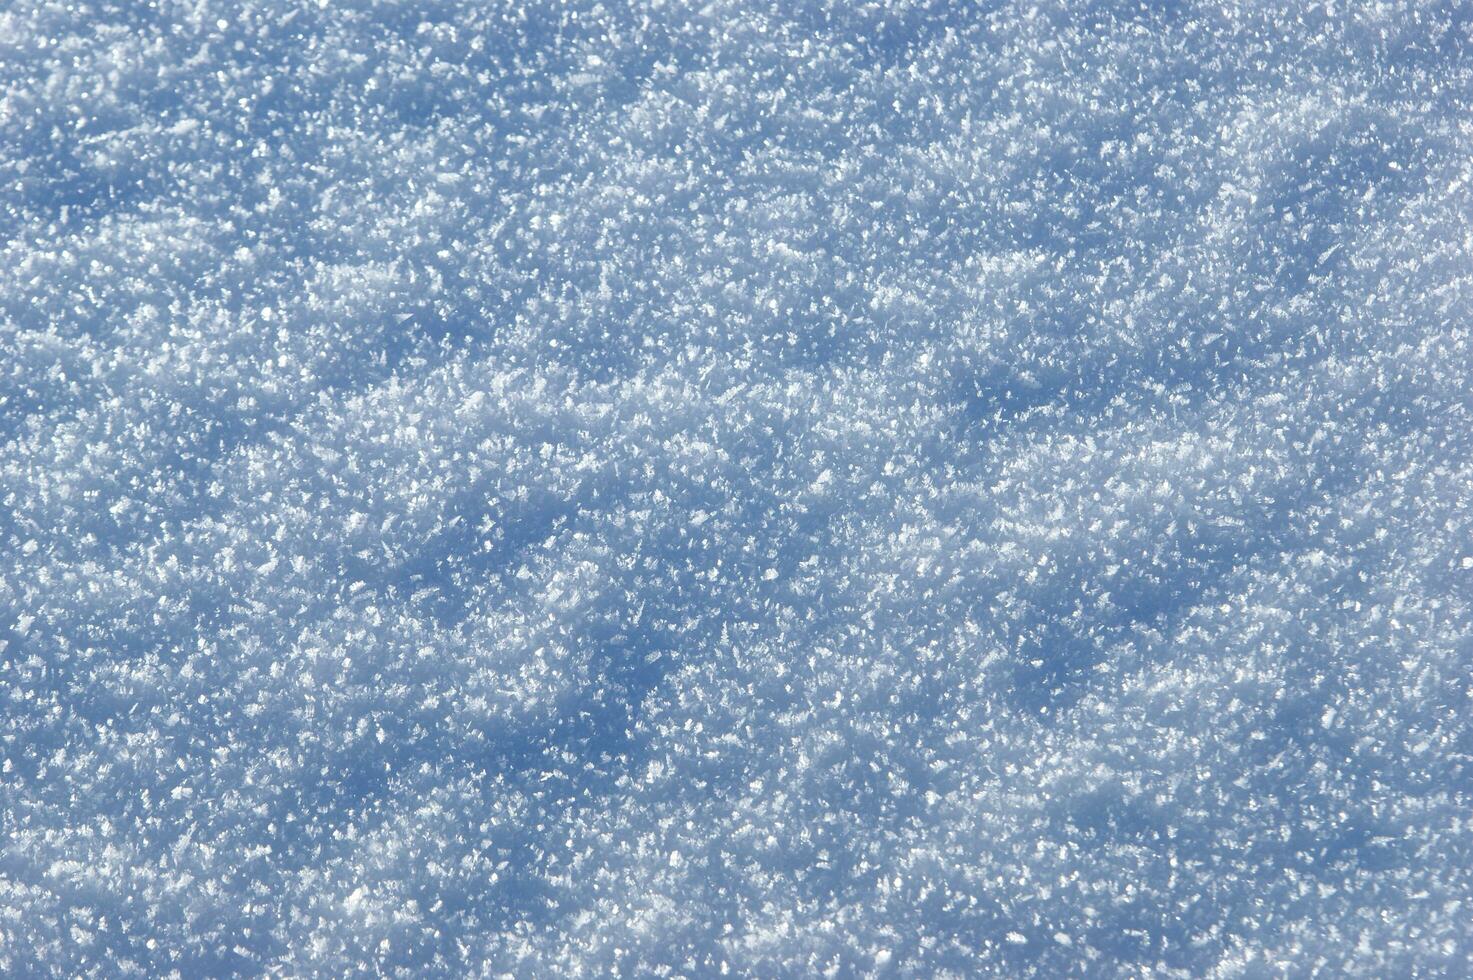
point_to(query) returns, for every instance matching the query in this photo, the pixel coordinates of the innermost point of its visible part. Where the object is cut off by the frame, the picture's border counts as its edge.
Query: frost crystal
(760, 489)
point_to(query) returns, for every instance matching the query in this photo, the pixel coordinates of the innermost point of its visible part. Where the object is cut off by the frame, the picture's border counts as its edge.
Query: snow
(904, 489)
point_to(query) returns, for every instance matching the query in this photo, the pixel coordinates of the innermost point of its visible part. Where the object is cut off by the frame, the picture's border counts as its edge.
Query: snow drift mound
(804, 489)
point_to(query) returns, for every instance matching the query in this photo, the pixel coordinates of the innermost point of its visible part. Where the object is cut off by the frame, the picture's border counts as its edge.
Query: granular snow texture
(775, 489)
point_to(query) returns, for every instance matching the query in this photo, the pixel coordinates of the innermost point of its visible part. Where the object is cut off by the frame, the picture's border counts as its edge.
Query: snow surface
(787, 489)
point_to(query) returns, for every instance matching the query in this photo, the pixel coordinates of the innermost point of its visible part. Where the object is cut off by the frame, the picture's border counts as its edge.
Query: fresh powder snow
(770, 489)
